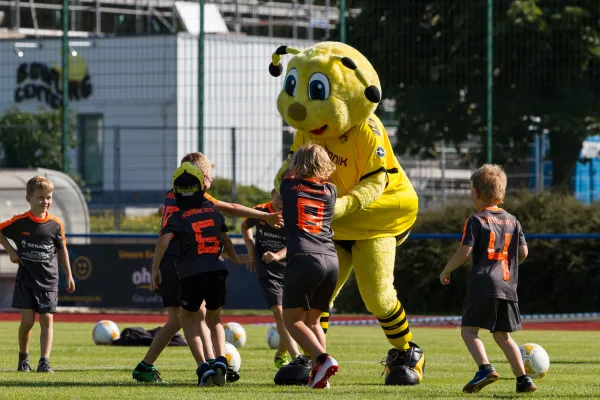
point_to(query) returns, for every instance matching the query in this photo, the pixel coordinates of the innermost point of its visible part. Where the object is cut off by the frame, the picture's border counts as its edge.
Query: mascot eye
(318, 87)
(291, 80)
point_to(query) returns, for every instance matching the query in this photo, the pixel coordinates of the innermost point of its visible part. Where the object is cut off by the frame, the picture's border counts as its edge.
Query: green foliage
(220, 189)
(33, 140)
(246, 195)
(546, 67)
(558, 276)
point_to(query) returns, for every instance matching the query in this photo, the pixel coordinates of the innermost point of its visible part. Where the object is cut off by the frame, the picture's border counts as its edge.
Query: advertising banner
(118, 276)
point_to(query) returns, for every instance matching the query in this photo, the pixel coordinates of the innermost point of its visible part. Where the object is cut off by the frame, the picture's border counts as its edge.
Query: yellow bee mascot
(329, 95)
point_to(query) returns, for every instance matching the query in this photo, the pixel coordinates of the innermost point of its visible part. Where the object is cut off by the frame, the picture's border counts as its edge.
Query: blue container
(586, 178)
(586, 174)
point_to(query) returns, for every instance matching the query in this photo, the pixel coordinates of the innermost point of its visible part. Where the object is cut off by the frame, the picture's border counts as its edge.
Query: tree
(33, 140)
(431, 58)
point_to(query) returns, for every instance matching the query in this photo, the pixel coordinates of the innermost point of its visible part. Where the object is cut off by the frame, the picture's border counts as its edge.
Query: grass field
(84, 370)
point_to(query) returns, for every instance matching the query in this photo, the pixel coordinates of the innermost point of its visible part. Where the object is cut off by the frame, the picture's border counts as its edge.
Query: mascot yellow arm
(280, 174)
(360, 196)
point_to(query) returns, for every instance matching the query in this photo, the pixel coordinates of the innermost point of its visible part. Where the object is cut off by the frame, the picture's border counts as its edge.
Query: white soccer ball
(273, 337)
(233, 357)
(105, 332)
(235, 334)
(535, 359)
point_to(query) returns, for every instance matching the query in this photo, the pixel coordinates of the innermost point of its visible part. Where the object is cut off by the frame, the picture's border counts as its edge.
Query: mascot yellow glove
(361, 196)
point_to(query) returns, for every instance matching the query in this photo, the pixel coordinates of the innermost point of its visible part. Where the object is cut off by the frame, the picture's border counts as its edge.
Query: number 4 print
(500, 255)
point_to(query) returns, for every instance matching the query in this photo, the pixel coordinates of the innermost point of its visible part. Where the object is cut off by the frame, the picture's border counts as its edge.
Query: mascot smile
(329, 95)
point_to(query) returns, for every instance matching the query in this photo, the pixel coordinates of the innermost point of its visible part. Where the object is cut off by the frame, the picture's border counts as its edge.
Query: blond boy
(497, 244)
(41, 244)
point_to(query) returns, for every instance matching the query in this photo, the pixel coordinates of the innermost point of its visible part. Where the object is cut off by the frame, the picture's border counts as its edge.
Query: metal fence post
(233, 166)
(443, 172)
(490, 77)
(343, 21)
(65, 85)
(201, 80)
(117, 178)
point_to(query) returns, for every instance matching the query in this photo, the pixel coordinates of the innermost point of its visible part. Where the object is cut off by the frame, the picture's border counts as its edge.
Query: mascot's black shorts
(169, 287)
(309, 281)
(347, 244)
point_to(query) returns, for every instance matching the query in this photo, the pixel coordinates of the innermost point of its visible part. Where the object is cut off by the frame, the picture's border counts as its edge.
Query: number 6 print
(206, 245)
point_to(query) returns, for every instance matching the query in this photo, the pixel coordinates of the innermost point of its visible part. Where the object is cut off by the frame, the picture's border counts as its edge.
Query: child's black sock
(211, 362)
(23, 356)
(44, 359)
(485, 366)
(321, 359)
(521, 379)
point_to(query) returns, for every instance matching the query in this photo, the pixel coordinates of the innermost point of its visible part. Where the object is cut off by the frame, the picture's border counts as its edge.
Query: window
(91, 149)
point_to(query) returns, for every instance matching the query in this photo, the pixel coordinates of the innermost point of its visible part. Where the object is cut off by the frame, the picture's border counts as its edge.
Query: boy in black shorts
(200, 230)
(41, 244)
(267, 255)
(145, 371)
(312, 269)
(497, 242)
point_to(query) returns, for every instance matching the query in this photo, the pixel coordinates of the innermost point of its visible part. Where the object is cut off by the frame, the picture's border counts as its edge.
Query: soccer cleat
(526, 386)
(220, 367)
(404, 367)
(24, 366)
(44, 366)
(482, 378)
(323, 372)
(281, 360)
(145, 374)
(311, 380)
(217, 375)
(205, 375)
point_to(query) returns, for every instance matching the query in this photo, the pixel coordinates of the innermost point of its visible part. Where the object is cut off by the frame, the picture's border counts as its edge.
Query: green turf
(84, 370)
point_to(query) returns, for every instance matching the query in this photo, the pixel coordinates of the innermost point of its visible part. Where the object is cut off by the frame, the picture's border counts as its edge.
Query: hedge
(559, 276)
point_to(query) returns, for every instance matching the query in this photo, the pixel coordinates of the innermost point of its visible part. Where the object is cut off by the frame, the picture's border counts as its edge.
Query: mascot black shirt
(308, 207)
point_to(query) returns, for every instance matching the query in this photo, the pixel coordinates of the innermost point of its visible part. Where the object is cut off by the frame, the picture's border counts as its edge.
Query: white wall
(239, 92)
(148, 87)
(134, 85)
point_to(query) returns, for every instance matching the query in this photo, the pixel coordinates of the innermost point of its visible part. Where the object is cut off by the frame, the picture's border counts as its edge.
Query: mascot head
(328, 88)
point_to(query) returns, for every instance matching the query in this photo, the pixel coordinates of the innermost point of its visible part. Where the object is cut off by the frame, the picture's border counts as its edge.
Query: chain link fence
(133, 91)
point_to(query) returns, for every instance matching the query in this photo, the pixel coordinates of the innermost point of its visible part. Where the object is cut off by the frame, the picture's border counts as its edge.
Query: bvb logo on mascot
(330, 93)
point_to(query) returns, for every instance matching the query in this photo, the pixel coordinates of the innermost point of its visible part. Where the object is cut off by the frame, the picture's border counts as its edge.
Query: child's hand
(156, 280)
(275, 220)
(14, 258)
(269, 257)
(70, 285)
(249, 262)
(445, 278)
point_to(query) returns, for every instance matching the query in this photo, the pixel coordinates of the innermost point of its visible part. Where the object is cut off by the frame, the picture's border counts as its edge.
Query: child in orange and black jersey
(497, 244)
(168, 289)
(41, 244)
(267, 256)
(312, 268)
(200, 230)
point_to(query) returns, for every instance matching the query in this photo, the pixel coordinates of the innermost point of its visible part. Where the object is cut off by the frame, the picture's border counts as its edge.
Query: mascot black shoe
(404, 367)
(295, 373)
